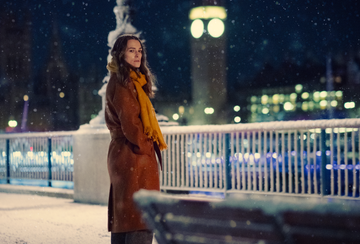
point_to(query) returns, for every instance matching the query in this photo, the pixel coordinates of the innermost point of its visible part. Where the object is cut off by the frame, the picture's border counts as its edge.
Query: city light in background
(12, 123)
(209, 110)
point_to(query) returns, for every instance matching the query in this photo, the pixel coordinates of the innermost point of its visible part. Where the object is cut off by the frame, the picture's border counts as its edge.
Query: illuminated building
(208, 63)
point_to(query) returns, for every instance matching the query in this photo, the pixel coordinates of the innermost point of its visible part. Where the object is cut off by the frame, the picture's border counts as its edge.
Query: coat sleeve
(128, 111)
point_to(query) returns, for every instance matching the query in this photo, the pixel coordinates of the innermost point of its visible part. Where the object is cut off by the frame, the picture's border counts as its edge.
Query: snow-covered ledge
(264, 126)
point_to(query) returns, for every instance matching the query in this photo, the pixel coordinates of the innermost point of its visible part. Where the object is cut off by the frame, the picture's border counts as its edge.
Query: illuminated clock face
(216, 27)
(212, 15)
(197, 28)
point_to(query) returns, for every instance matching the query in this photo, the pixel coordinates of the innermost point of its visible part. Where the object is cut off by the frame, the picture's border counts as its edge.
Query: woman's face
(133, 53)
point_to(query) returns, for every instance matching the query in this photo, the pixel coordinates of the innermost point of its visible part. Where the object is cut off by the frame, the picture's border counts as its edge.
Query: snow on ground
(31, 219)
(37, 219)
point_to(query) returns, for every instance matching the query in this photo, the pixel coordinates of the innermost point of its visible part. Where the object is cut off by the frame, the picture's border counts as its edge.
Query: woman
(135, 136)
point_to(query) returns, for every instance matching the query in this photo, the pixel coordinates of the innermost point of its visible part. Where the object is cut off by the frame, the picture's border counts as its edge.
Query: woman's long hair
(121, 68)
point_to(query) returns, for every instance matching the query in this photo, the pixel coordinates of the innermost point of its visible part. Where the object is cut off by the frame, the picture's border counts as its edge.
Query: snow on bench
(249, 219)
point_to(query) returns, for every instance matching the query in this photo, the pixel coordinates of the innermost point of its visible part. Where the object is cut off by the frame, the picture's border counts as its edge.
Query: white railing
(37, 156)
(312, 158)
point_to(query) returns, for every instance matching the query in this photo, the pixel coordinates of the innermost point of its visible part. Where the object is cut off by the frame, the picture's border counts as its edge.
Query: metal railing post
(49, 161)
(8, 161)
(227, 162)
(325, 186)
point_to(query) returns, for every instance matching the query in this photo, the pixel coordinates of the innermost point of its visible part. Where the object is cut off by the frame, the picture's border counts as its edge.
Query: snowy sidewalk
(29, 216)
(33, 219)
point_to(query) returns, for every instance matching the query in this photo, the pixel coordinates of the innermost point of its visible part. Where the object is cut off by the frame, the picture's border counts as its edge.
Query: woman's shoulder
(115, 83)
(113, 79)
(115, 87)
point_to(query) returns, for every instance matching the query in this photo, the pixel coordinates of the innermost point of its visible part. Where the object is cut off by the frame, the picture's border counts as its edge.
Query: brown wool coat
(132, 163)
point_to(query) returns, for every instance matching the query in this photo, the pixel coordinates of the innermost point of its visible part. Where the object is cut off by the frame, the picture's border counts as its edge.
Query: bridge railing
(312, 158)
(37, 156)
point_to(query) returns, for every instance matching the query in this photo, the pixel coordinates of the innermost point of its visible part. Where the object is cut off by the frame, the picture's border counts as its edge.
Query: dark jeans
(135, 237)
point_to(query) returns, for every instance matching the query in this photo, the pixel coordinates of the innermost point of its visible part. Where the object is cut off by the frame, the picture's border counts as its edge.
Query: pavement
(35, 215)
(39, 215)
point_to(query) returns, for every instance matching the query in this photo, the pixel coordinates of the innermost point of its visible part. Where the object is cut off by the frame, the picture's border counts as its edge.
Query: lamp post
(208, 63)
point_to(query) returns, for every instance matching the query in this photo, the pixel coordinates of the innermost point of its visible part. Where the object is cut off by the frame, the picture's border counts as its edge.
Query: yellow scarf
(147, 112)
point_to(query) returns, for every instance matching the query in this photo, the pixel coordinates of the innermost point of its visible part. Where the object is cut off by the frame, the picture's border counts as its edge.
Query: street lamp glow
(12, 123)
(288, 106)
(265, 110)
(264, 99)
(216, 28)
(349, 105)
(236, 108)
(175, 116)
(298, 88)
(275, 98)
(339, 94)
(209, 110)
(237, 119)
(293, 97)
(305, 95)
(323, 94)
(197, 28)
(323, 104)
(316, 96)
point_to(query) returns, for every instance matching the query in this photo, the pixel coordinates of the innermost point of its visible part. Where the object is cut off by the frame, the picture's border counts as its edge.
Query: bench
(312, 227)
(189, 220)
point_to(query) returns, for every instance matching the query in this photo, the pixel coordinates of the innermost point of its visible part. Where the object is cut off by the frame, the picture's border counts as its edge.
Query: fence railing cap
(264, 126)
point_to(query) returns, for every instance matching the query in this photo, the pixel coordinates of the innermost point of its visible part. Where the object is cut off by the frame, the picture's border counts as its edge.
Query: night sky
(257, 31)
